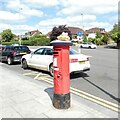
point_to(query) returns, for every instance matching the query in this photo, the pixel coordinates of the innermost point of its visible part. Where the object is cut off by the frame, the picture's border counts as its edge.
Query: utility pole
(82, 25)
(19, 19)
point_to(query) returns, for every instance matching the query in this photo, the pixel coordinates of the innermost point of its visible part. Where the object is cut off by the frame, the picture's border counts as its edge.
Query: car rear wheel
(89, 46)
(9, 60)
(24, 64)
(51, 70)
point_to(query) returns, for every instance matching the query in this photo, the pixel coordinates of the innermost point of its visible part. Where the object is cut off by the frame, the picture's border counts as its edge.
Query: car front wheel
(9, 60)
(24, 64)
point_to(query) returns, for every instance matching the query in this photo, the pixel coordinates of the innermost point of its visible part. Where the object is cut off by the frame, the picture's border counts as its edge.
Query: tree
(7, 35)
(98, 34)
(39, 39)
(115, 29)
(84, 38)
(58, 31)
(105, 38)
(115, 34)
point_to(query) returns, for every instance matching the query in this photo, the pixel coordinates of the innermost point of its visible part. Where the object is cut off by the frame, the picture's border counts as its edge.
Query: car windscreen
(21, 48)
(73, 52)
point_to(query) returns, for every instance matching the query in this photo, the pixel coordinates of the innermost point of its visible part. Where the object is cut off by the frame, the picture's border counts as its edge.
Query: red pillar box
(61, 97)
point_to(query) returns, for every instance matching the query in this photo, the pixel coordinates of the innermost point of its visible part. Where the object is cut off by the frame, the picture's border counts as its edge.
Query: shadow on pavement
(50, 92)
(77, 75)
(115, 98)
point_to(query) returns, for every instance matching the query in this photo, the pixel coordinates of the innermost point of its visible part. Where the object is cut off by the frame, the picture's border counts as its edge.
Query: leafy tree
(115, 34)
(105, 38)
(58, 31)
(115, 29)
(84, 38)
(7, 35)
(39, 39)
(98, 34)
(116, 37)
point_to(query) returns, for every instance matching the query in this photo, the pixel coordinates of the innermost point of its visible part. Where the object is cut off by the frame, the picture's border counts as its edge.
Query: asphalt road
(101, 80)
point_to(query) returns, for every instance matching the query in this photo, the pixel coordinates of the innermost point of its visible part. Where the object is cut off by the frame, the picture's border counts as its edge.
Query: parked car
(88, 45)
(42, 59)
(13, 53)
(1, 48)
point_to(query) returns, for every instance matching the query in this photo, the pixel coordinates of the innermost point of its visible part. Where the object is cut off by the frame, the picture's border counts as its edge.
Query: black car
(13, 53)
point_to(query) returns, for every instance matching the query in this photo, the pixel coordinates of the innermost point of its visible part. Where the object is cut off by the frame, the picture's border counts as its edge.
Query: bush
(37, 40)
(99, 41)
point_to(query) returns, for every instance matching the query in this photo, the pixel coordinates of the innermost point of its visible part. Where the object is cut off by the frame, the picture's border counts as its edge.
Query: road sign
(79, 33)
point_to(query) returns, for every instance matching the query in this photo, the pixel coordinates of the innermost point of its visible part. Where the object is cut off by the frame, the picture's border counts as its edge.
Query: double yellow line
(90, 97)
(80, 93)
(95, 99)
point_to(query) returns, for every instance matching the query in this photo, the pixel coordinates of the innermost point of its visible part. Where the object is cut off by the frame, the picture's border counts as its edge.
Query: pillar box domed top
(63, 40)
(61, 43)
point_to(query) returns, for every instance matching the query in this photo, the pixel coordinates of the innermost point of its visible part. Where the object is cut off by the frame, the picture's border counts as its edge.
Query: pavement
(24, 97)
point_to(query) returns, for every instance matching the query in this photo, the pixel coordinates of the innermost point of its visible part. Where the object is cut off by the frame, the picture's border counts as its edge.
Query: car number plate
(82, 62)
(22, 52)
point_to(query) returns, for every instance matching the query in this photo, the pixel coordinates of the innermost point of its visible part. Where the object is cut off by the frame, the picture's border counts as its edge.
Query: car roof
(46, 47)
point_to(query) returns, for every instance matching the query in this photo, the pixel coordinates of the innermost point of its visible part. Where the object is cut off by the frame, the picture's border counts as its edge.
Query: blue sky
(25, 15)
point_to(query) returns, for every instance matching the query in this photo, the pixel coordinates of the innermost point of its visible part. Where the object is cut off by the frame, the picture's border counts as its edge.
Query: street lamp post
(19, 19)
(82, 21)
(82, 25)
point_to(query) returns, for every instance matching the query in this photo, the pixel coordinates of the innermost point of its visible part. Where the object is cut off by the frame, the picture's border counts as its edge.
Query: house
(31, 33)
(75, 33)
(91, 33)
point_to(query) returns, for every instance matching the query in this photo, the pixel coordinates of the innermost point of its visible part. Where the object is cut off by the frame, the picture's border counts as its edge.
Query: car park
(13, 53)
(88, 45)
(42, 59)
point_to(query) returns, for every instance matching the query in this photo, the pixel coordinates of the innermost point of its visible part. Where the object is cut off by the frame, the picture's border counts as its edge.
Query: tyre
(51, 70)
(24, 64)
(9, 61)
(89, 47)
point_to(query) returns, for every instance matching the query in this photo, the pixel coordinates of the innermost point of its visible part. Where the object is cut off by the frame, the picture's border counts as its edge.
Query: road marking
(100, 101)
(90, 97)
(30, 73)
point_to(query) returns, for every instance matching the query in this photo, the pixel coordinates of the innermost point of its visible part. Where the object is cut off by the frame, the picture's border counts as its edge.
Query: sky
(22, 16)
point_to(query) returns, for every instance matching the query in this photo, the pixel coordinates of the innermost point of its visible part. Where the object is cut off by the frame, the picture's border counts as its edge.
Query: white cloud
(8, 16)
(17, 29)
(105, 25)
(40, 3)
(23, 9)
(88, 7)
(68, 12)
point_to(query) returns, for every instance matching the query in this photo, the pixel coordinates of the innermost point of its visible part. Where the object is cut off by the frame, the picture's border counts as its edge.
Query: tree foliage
(7, 35)
(39, 39)
(116, 37)
(115, 33)
(58, 31)
(115, 29)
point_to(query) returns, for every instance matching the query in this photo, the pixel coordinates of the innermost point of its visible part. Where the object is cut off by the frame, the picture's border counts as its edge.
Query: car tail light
(14, 53)
(73, 60)
(88, 58)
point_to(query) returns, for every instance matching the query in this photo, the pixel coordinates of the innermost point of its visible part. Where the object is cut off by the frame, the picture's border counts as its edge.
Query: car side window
(48, 51)
(7, 49)
(39, 51)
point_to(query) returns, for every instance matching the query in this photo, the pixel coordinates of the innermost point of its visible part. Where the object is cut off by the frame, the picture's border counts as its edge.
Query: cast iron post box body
(61, 97)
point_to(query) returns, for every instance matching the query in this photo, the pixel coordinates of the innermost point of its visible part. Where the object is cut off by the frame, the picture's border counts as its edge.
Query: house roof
(75, 30)
(94, 30)
(31, 33)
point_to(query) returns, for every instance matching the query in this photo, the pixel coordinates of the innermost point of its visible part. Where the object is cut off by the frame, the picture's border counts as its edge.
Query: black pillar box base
(61, 101)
